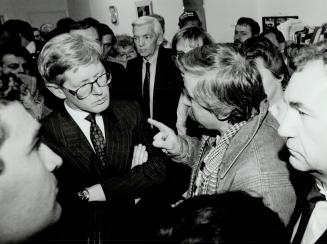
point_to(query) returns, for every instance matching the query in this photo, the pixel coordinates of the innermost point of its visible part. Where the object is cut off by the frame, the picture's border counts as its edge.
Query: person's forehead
(186, 45)
(107, 38)
(20, 124)
(11, 58)
(90, 33)
(145, 28)
(243, 27)
(309, 86)
(76, 76)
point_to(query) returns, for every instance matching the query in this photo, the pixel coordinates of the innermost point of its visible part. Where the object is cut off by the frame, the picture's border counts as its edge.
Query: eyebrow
(95, 77)
(35, 137)
(297, 105)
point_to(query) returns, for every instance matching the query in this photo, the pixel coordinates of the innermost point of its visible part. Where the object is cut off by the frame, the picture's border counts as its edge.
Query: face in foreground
(28, 189)
(99, 98)
(242, 33)
(305, 120)
(146, 40)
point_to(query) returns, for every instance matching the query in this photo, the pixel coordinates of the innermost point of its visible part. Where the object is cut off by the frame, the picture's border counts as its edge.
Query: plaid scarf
(205, 173)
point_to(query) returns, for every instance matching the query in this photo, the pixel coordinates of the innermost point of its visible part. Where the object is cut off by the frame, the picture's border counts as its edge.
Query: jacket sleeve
(143, 179)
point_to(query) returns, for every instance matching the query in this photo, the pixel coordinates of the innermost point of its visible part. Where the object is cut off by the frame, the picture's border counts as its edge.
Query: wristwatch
(84, 195)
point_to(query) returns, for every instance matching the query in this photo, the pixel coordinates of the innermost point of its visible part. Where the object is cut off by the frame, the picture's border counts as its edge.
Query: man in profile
(28, 189)
(245, 28)
(304, 124)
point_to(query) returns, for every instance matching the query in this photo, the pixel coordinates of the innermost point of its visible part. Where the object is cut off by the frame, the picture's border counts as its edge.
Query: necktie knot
(90, 118)
(315, 195)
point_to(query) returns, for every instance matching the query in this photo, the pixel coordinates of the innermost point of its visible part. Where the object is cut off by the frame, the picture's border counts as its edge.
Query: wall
(311, 12)
(222, 15)
(78, 9)
(36, 12)
(169, 9)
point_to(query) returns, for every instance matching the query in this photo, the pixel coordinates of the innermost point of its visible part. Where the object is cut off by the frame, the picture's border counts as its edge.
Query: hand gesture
(140, 155)
(166, 139)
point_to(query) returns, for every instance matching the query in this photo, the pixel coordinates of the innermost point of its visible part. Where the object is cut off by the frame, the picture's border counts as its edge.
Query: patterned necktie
(97, 139)
(313, 197)
(146, 91)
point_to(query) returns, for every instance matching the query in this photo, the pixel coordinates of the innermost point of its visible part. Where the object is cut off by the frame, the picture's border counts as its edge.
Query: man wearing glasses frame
(96, 142)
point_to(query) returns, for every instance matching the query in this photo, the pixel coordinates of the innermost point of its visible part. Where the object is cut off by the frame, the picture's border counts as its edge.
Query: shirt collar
(322, 188)
(76, 114)
(153, 58)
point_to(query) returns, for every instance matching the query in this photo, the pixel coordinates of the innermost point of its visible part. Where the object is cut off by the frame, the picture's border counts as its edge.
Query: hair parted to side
(317, 51)
(255, 28)
(194, 35)
(262, 47)
(66, 52)
(228, 84)
(143, 20)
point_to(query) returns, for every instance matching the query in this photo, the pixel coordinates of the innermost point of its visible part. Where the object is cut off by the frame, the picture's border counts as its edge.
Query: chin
(98, 108)
(298, 164)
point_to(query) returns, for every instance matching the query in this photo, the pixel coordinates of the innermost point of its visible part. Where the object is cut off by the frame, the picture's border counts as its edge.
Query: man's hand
(166, 139)
(140, 155)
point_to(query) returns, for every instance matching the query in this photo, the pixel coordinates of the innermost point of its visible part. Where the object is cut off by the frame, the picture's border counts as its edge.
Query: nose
(97, 90)
(21, 69)
(286, 127)
(50, 159)
(141, 42)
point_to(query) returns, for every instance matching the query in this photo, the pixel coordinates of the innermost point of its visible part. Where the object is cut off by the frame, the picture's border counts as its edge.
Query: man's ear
(160, 39)
(56, 90)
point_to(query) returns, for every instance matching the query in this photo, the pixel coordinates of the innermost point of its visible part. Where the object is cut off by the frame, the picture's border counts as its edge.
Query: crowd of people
(108, 137)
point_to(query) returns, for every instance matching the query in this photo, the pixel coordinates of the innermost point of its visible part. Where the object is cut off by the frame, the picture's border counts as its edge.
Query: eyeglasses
(179, 54)
(85, 90)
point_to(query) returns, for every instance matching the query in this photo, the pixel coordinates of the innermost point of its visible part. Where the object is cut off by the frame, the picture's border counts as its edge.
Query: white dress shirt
(317, 224)
(79, 117)
(153, 66)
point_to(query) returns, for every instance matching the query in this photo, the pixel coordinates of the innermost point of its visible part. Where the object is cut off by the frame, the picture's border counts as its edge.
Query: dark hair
(255, 28)
(84, 24)
(21, 27)
(231, 217)
(64, 22)
(193, 34)
(279, 35)
(105, 30)
(228, 83)
(260, 46)
(17, 50)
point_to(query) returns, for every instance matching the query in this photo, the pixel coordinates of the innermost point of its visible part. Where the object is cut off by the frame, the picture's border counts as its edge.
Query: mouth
(102, 100)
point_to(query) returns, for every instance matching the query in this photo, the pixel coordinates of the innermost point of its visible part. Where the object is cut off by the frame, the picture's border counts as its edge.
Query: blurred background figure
(245, 28)
(183, 41)
(232, 217)
(123, 50)
(188, 18)
(108, 39)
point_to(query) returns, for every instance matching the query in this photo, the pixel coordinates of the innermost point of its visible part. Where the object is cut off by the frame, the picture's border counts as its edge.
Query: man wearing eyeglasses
(96, 142)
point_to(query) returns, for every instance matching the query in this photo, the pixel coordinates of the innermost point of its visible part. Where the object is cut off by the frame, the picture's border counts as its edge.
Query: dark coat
(124, 128)
(167, 86)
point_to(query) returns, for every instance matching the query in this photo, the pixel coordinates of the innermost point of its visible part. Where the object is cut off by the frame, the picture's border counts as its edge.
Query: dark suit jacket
(124, 128)
(167, 86)
(307, 182)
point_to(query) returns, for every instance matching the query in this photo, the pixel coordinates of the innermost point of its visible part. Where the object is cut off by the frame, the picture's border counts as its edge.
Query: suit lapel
(78, 145)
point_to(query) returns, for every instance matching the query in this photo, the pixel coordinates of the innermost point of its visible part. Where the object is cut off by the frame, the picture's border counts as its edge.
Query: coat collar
(243, 138)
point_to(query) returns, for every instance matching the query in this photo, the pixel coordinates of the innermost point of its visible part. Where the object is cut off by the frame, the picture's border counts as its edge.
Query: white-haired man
(153, 74)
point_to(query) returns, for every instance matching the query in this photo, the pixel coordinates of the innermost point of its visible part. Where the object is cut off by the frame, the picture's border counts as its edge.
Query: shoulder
(125, 108)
